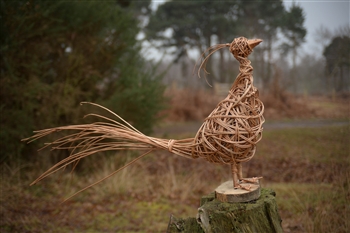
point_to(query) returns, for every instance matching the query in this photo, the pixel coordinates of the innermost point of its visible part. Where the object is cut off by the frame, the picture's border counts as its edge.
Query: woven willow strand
(227, 136)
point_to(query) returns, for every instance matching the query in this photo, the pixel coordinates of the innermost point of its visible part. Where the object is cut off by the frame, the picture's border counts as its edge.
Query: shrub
(55, 54)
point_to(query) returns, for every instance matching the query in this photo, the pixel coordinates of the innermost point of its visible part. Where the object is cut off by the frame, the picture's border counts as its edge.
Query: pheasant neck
(244, 80)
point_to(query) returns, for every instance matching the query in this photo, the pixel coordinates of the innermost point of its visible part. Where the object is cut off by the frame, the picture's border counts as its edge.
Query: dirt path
(192, 127)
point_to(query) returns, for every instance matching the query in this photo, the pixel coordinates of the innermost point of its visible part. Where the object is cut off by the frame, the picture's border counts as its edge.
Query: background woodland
(139, 62)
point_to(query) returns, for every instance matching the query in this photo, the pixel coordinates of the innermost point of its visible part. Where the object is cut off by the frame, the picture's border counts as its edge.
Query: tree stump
(227, 193)
(215, 216)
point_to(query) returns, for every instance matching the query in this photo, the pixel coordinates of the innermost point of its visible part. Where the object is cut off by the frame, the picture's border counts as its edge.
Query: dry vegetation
(307, 167)
(195, 105)
(190, 105)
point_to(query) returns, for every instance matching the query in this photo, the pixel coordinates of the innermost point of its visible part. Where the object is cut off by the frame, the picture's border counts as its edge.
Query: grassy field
(308, 169)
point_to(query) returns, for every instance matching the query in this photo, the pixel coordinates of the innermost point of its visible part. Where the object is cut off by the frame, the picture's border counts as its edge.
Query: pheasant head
(241, 47)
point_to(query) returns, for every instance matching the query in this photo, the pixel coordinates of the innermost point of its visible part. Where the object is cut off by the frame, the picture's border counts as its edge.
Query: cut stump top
(226, 193)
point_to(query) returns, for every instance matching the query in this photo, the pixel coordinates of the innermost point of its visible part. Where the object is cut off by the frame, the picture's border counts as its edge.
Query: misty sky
(331, 14)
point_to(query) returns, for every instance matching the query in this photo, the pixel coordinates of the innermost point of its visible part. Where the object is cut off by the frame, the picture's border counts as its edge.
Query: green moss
(256, 216)
(207, 198)
(188, 225)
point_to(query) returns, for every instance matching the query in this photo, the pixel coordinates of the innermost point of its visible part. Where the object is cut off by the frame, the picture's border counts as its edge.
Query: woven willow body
(228, 135)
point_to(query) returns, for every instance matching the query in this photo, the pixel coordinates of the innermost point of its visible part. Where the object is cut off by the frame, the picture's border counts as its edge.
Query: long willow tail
(106, 135)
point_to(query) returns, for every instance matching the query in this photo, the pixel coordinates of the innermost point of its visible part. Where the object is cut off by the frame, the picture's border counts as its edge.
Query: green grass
(314, 207)
(308, 168)
(324, 144)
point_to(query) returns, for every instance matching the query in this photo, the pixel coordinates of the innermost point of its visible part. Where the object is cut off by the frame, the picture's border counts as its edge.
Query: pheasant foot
(253, 180)
(243, 187)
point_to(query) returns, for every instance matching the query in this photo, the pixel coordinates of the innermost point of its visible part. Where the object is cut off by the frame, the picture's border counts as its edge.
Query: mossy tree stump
(215, 216)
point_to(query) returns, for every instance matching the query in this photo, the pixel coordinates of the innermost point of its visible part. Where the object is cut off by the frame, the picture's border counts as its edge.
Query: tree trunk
(216, 217)
(222, 72)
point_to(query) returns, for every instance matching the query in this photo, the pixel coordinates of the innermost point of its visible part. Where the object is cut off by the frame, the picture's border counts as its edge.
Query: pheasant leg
(239, 169)
(237, 176)
(236, 169)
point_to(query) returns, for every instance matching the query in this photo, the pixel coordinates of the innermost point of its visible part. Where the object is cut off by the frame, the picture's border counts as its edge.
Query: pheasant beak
(254, 42)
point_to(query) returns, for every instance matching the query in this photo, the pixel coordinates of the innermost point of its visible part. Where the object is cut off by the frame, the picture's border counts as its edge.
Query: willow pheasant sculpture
(227, 136)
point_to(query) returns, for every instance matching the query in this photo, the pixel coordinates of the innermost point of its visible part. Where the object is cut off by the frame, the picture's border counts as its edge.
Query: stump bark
(215, 216)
